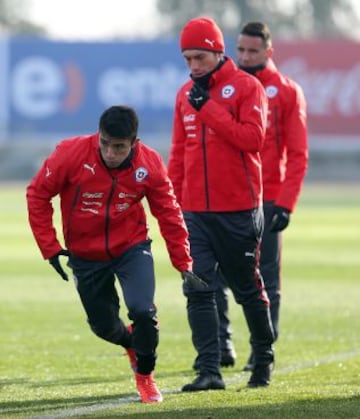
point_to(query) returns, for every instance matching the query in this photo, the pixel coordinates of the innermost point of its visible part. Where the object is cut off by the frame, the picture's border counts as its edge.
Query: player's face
(251, 51)
(114, 150)
(201, 62)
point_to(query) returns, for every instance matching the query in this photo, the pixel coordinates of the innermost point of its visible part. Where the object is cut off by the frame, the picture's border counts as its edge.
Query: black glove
(193, 280)
(198, 96)
(55, 263)
(280, 219)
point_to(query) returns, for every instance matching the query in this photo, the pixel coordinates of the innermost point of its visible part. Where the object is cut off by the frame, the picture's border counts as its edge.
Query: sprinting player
(101, 180)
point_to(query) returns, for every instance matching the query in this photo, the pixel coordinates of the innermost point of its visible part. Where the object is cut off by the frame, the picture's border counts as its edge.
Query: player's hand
(198, 96)
(55, 263)
(280, 219)
(193, 280)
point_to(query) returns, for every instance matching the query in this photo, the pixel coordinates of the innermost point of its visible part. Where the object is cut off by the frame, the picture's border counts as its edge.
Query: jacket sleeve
(167, 211)
(43, 187)
(176, 155)
(243, 127)
(295, 139)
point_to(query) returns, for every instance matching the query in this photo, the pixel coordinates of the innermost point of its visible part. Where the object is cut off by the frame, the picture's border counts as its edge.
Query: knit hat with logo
(202, 33)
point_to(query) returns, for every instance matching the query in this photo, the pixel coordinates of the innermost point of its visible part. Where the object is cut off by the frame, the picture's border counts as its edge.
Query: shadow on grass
(12, 381)
(106, 406)
(330, 408)
(83, 403)
(48, 405)
(41, 405)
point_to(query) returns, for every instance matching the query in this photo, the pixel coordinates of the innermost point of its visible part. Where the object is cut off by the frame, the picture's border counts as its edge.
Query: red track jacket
(102, 213)
(285, 152)
(214, 160)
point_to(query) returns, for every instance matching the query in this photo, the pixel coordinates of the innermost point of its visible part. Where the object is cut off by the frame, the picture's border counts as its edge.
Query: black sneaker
(260, 376)
(228, 358)
(250, 363)
(205, 382)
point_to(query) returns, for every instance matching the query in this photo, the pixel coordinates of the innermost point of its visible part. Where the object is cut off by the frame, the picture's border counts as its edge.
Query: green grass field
(52, 366)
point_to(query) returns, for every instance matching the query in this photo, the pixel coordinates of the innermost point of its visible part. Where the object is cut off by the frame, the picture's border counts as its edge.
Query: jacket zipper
(107, 218)
(203, 141)
(248, 178)
(73, 204)
(277, 136)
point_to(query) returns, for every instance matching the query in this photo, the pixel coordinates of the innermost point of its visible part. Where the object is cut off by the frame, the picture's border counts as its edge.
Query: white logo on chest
(90, 168)
(141, 174)
(227, 91)
(271, 91)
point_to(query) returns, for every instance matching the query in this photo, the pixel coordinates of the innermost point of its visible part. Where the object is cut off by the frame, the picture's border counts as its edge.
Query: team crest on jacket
(227, 91)
(141, 174)
(271, 91)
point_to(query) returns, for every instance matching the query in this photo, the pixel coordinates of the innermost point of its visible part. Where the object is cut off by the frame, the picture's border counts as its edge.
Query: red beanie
(202, 33)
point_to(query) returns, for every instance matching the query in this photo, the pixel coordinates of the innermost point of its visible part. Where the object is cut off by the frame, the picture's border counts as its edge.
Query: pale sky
(95, 19)
(103, 19)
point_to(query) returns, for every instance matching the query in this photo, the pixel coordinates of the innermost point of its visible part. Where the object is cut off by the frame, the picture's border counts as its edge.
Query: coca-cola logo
(328, 91)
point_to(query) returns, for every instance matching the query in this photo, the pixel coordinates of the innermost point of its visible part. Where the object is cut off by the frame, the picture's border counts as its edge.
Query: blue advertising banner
(61, 88)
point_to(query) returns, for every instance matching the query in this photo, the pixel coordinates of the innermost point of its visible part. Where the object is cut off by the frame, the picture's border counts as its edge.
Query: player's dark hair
(119, 122)
(258, 29)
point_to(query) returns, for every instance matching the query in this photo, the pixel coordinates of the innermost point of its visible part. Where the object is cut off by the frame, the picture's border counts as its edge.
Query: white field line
(86, 410)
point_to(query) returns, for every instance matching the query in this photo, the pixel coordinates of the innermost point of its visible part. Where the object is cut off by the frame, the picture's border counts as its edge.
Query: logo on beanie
(227, 91)
(202, 33)
(211, 43)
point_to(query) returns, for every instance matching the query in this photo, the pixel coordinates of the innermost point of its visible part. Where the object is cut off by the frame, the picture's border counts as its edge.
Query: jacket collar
(265, 74)
(224, 72)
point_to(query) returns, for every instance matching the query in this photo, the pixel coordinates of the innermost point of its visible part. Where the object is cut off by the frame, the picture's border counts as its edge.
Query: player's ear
(269, 52)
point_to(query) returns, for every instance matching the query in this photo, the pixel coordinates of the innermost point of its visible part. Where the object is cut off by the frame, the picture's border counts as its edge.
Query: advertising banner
(63, 87)
(329, 73)
(55, 89)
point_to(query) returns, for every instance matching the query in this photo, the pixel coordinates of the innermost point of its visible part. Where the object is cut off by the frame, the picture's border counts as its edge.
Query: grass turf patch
(51, 365)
